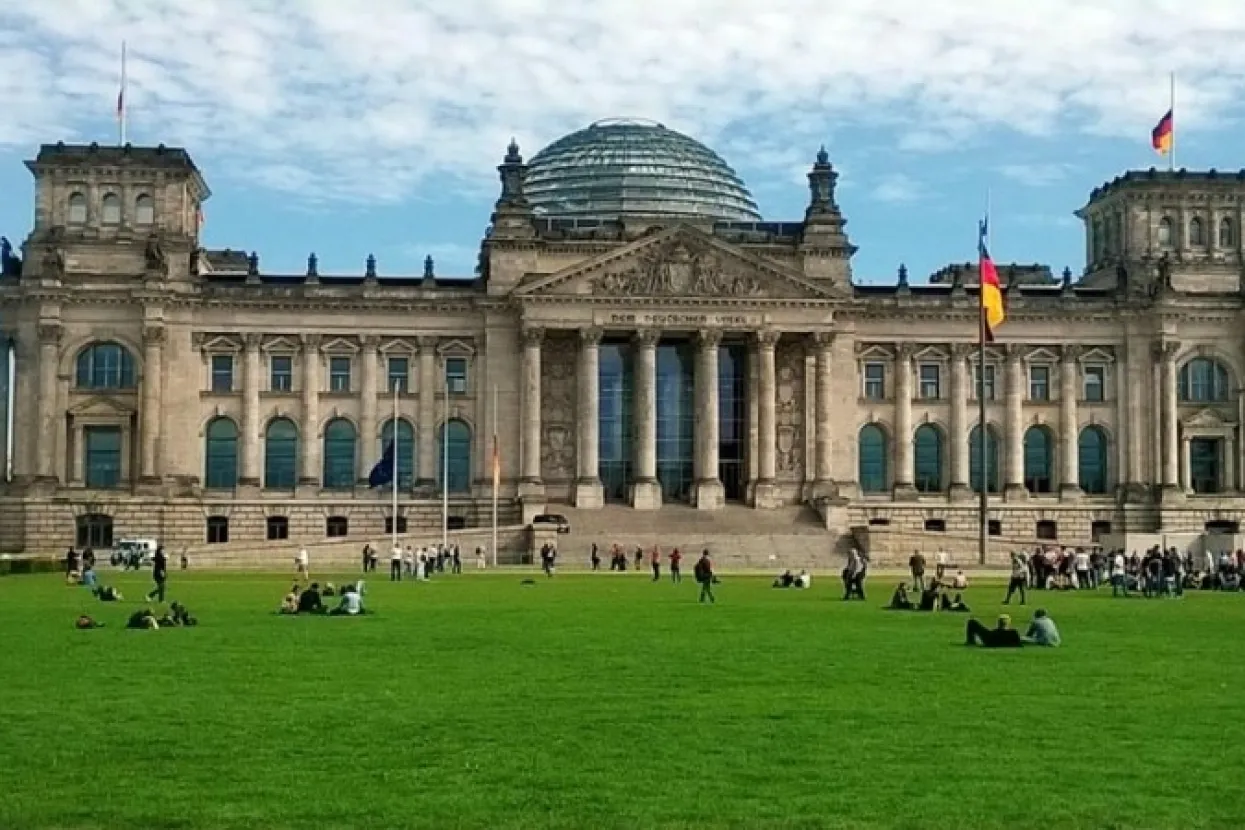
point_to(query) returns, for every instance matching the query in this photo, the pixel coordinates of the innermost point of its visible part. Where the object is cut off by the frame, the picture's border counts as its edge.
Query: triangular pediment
(220, 343)
(931, 354)
(1042, 355)
(874, 351)
(455, 348)
(398, 347)
(1097, 355)
(678, 262)
(100, 406)
(1204, 418)
(280, 345)
(340, 345)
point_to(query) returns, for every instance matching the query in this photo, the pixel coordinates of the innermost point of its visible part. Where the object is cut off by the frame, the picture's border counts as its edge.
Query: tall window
(987, 378)
(77, 209)
(339, 454)
(281, 454)
(931, 388)
(614, 434)
(456, 375)
(110, 209)
(459, 453)
(1039, 383)
(1197, 232)
(872, 459)
(1204, 469)
(102, 456)
(1092, 455)
(875, 381)
(1203, 380)
(732, 420)
(105, 366)
(94, 530)
(991, 457)
(928, 458)
(221, 454)
(1165, 232)
(222, 373)
(1094, 384)
(144, 210)
(1038, 460)
(405, 450)
(399, 375)
(339, 374)
(675, 420)
(281, 373)
(1227, 233)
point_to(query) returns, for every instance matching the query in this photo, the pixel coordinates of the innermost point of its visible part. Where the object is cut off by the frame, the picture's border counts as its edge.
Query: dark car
(556, 519)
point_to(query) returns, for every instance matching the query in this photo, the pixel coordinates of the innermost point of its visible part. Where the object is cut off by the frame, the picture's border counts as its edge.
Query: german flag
(992, 311)
(1163, 134)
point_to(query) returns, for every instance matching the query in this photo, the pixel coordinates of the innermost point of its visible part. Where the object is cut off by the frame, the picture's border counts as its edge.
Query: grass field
(608, 702)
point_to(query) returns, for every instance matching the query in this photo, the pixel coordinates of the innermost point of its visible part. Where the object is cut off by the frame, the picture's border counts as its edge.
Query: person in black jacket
(1001, 636)
(160, 574)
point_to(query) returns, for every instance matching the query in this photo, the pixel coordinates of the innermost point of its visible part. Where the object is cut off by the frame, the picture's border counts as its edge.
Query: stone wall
(558, 408)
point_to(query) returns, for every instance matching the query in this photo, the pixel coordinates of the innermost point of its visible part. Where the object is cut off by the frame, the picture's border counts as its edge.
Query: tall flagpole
(983, 503)
(496, 474)
(121, 102)
(1171, 157)
(394, 470)
(445, 469)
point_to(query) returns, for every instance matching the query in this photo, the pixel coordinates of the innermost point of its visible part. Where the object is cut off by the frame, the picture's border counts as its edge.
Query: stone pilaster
(959, 436)
(1131, 421)
(312, 442)
(530, 484)
(428, 386)
(152, 403)
(764, 492)
(709, 494)
(49, 355)
(1166, 355)
(1014, 469)
(1069, 438)
(368, 423)
(904, 466)
(645, 489)
(823, 346)
(251, 383)
(588, 490)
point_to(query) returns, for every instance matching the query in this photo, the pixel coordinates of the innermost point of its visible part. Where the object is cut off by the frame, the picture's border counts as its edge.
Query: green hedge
(28, 565)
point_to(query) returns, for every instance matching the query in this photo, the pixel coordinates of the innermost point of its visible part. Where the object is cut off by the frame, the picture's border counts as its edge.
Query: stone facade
(164, 390)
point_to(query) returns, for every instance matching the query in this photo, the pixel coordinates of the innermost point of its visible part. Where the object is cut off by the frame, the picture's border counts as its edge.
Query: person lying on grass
(1042, 632)
(176, 616)
(107, 593)
(144, 618)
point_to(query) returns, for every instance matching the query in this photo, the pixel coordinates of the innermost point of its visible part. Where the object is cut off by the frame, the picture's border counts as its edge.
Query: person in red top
(654, 561)
(704, 575)
(675, 559)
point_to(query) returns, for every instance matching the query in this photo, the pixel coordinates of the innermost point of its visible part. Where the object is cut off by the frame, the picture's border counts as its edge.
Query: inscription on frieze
(672, 320)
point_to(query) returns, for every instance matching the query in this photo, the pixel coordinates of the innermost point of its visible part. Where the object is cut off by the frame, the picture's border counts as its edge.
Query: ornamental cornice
(573, 301)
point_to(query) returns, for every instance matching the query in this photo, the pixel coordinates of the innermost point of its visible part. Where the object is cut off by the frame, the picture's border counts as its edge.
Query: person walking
(395, 564)
(159, 574)
(595, 557)
(676, 576)
(654, 561)
(1020, 576)
(704, 575)
(303, 563)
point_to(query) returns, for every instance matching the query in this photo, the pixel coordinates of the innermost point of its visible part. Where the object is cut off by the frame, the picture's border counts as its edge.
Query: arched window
(458, 454)
(1197, 232)
(281, 454)
(1203, 380)
(222, 454)
(144, 210)
(105, 366)
(928, 458)
(1227, 233)
(77, 209)
(1165, 231)
(1038, 460)
(110, 209)
(872, 460)
(992, 460)
(405, 451)
(339, 454)
(1092, 455)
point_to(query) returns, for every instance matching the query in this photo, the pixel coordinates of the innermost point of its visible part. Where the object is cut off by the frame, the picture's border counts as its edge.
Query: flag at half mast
(992, 310)
(1164, 133)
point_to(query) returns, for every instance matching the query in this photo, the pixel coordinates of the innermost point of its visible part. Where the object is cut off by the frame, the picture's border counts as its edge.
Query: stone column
(368, 423)
(764, 492)
(959, 422)
(312, 442)
(251, 381)
(709, 494)
(588, 490)
(49, 354)
(904, 466)
(1014, 483)
(1229, 463)
(1132, 419)
(1186, 465)
(530, 484)
(645, 490)
(428, 387)
(1171, 413)
(823, 346)
(152, 402)
(1070, 458)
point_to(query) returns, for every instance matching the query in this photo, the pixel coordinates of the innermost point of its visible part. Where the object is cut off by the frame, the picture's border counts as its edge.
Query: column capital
(154, 335)
(1166, 350)
(532, 335)
(1014, 352)
(311, 342)
(709, 338)
(961, 351)
(822, 339)
(905, 351)
(646, 337)
(369, 342)
(426, 344)
(251, 340)
(590, 335)
(767, 338)
(50, 333)
(1072, 353)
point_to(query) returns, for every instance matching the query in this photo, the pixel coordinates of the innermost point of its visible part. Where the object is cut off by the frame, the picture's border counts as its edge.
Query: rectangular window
(989, 382)
(930, 386)
(217, 530)
(399, 375)
(278, 528)
(222, 373)
(1039, 383)
(456, 375)
(401, 524)
(875, 381)
(336, 527)
(1095, 384)
(339, 374)
(281, 375)
(103, 456)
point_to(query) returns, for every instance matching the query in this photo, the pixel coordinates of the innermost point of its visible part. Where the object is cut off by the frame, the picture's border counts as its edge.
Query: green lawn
(608, 702)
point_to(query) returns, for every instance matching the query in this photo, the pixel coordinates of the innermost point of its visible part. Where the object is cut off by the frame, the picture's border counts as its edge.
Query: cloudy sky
(349, 128)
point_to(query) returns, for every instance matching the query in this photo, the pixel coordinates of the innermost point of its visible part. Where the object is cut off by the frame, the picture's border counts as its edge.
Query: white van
(134, 553)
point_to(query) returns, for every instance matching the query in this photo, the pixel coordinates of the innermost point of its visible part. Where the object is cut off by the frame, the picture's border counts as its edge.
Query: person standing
(159, 574)
(303, 563)
(395, 564)
(704, 575)
(456, 559)
(595, 557)
(676, 576)
(1020, 576)
(916, 564)
(940, 564)
(654, 561)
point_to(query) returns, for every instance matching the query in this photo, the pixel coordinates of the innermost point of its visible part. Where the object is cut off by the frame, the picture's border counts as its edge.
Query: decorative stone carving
(789, 364)
(252, 340)
(154, 335)
(822, 339)
(905, 351)
(960, 351)
(557, 408)
(1166, 350)
(10, 263)
(680, 267)
(311, 342)
(646, 337)
(591, 335)
(54, 263)
(156, 262)
(1072, 353)
(767, 339)
(709, 338)
(50, 334)
(370, 342)
(1014, 352)
(533, 335)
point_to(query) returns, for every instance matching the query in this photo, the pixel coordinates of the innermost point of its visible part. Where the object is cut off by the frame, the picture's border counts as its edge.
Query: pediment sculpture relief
(680, 270)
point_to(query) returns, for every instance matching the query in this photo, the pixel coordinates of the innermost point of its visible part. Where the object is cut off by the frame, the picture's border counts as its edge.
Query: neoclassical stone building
(647, 339)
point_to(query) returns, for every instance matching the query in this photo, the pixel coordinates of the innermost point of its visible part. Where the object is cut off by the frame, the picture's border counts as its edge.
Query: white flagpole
(122, 104)
(1171, 157)
(495, 463)
(445, 469)
(394, 437)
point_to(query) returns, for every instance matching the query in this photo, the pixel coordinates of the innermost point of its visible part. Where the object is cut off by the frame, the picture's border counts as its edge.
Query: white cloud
(364, 103)
(898, 189)
(1035, 175)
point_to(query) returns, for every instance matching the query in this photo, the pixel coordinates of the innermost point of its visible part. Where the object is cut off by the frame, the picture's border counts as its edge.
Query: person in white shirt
(804, 580)
(303, 563)
(959, 582)
(351, 604)
(480, 563)
(1119, 579)
(1081, 564)
(395, 564)
(940, 564)
(421, 566)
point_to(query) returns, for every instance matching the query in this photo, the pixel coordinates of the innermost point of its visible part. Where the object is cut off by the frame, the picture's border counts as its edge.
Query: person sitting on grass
(329, 590)
(803, 580)
(899, 599)
(143, 619)
(957, 605)
(309, 601)
(107, 593)
(1042, 630)
(784, 580)
(1001, 636)
(177, 617)
(930, 596)
(351, 604)
(959, 582)
(289, 605)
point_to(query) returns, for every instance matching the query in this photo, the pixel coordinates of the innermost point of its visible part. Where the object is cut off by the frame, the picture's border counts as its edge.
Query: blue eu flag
(382, 473)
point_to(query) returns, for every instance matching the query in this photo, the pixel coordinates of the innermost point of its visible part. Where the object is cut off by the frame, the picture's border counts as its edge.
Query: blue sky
(320, 127)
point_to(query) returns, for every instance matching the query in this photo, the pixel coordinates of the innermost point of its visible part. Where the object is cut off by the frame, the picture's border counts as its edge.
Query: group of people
(933, 596)
(417, 563)
(310, 600)
(619, 560)
(80, 570)
(787, 580)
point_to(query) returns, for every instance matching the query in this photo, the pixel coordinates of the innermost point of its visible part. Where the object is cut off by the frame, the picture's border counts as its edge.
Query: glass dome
(625, 167)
